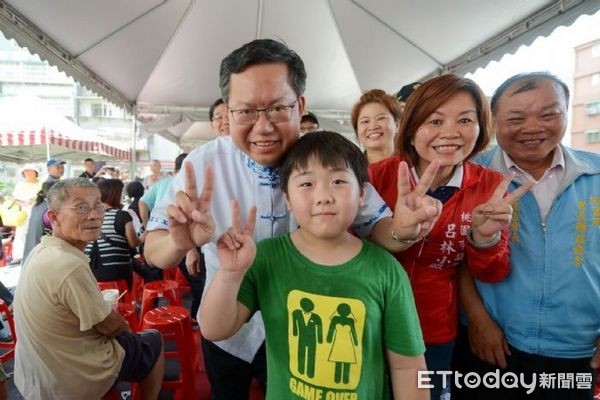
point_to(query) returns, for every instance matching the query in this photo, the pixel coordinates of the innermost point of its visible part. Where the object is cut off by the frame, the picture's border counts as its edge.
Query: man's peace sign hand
(496, 214)
(190, 221)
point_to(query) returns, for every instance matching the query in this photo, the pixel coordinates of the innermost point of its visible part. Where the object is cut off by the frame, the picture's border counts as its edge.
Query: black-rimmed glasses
(275, 114)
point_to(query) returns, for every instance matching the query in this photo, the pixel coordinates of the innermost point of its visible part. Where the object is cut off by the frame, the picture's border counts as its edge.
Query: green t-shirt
(327, 327)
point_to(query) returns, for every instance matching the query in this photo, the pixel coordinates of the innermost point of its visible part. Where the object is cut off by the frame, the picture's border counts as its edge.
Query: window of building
(592, 108)
(595, 79)
(593, 136)
(103, 110)
(96, 110)
(596, 50)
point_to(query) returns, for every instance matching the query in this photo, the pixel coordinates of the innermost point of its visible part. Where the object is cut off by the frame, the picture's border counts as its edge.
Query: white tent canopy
(32, 131)
(162, 57)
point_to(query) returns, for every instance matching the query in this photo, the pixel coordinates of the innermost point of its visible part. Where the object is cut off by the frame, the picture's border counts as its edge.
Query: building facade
(586, 97)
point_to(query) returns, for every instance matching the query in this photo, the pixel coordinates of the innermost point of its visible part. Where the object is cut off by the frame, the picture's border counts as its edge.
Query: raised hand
(415, 212)
(496, 214)
(190, 221)
(236, 248)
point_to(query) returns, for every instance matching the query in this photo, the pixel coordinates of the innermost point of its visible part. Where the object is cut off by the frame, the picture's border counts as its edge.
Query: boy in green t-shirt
(333, 306)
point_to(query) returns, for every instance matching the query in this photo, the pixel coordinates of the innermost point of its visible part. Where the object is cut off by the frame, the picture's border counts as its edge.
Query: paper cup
(111, 296)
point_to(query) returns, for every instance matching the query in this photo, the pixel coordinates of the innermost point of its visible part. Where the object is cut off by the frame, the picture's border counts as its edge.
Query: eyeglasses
(275, 114)
(309, 128)
(84, 208)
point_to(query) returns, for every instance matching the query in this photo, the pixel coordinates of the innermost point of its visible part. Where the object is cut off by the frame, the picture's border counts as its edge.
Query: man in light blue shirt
(543, 319)
(157, 191)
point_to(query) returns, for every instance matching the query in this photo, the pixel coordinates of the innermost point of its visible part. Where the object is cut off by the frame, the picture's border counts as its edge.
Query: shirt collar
(455, 180)
(558, 161)
(267, 175)
(52, 240)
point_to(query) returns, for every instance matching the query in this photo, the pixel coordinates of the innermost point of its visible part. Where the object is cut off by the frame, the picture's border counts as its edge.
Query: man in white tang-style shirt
(262, 84)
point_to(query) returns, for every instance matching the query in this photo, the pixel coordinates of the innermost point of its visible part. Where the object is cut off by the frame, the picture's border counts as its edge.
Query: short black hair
(88, 159)
(134, 189)
(406, 90)
(211, 110)
(179, 161)
(331, 149)
(309, 117)
(262, 51)
(528, 81)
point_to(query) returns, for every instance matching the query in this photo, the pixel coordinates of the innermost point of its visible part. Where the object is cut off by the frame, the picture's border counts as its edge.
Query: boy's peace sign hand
(415, 213)
(236, 248)
(493, 216)
(190, 221)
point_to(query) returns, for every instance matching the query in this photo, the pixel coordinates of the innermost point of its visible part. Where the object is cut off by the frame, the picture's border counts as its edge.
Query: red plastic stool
(184, 285)
(8, 345)
(137, 287)
(121, 286)
(129, 312)
(153, 290)
(174, 323)
(175, 274)
(170, 273)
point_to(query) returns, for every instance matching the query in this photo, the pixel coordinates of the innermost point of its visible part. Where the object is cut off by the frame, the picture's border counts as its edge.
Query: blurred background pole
(132, 173)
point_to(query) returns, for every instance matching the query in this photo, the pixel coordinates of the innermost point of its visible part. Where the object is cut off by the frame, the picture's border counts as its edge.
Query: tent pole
(133, 150)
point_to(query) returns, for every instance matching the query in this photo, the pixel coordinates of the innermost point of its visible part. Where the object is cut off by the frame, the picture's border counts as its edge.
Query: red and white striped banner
(41, 137)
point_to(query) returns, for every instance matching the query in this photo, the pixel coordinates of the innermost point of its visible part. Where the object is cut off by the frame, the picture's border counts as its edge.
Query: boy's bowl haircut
(330, 149)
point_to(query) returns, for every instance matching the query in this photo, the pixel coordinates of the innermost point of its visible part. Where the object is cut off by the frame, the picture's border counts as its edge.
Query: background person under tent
(24, 195)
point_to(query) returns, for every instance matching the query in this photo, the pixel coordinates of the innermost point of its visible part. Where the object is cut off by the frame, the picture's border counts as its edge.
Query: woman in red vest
(448, 119)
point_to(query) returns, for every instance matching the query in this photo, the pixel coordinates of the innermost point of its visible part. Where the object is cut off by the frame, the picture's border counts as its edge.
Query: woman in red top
(376, 118)
(448, 118)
